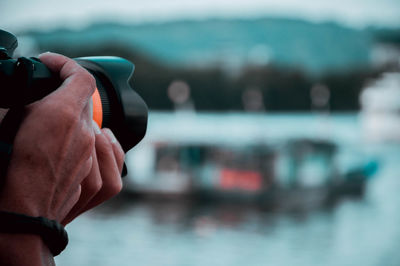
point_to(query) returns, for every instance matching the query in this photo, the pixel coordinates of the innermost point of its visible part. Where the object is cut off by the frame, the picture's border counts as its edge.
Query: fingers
(78, 85)
(110, 157)
(104, 180)
(66, 208)
(76, 199)
(117, 148)
(90, 186)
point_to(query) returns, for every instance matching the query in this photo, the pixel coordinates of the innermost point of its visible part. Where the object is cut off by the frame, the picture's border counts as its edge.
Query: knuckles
(88, 139)
(115, 187)
(82, 75)
(93, 185)
(120, 156)
(85, 80)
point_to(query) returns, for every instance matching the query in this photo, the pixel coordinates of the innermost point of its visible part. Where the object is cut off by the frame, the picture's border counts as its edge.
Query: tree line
(214, 89)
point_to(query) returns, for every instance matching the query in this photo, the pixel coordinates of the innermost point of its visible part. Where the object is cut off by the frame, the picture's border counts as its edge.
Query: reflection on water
(363, 231)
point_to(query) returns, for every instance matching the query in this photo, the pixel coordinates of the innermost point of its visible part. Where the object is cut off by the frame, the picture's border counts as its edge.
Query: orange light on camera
(97, 108)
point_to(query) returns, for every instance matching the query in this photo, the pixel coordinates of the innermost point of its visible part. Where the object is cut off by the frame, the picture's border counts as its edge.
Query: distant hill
(232, 43)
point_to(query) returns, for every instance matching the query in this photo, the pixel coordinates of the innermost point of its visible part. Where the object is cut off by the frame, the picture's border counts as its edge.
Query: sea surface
(353, 231)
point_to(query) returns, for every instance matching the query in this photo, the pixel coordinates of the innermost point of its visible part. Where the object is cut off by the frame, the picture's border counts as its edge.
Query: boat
(243, 167)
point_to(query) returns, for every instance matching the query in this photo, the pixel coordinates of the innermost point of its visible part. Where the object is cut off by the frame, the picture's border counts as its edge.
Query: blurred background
(273, 134)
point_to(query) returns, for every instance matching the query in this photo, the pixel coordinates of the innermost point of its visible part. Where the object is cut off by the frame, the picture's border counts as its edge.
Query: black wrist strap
(53, 233)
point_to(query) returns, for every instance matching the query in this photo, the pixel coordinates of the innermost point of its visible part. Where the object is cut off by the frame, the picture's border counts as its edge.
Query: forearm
(19, 249)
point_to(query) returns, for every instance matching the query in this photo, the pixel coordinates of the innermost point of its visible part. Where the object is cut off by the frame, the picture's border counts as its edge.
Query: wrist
(52, 233)
(24, 249)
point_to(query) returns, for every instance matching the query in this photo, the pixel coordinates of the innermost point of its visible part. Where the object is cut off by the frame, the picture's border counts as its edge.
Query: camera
(115, 104)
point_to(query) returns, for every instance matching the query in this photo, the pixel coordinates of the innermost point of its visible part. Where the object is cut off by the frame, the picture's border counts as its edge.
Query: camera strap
(8, 130)
(52, 232)
(13, 119)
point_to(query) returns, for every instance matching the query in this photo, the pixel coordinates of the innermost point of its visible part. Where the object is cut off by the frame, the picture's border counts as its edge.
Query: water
(359, 231)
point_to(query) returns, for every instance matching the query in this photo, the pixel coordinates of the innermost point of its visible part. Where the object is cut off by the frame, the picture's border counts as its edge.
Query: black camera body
(26, 80)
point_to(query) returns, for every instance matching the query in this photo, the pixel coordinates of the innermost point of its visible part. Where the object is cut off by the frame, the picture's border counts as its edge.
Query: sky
(18, 15)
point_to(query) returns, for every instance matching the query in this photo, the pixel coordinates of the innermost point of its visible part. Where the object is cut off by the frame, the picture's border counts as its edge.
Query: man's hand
(62, 163)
